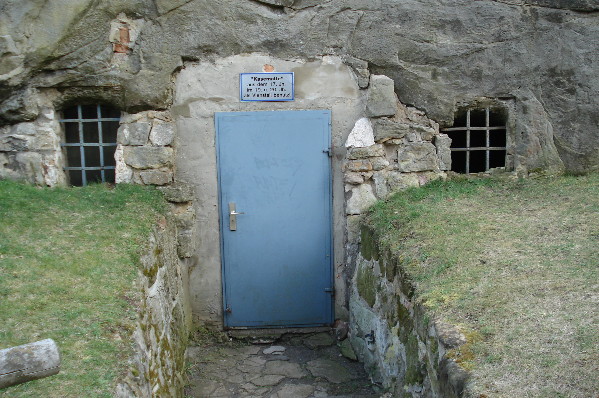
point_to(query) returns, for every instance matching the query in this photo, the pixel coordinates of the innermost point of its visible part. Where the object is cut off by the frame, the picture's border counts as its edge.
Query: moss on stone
(367, 285)
(414, 368)
(368, 246)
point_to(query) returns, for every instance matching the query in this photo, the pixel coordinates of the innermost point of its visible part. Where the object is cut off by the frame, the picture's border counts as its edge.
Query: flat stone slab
(330, 370)
(318, 340)
(275, 349)
(294, 391)
(267, 380)
(287, 369)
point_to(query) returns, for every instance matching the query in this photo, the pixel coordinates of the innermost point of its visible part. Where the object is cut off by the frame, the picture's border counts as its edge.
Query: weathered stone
(30, 166)
(400, 181)
(294, 391)
(123, 173)
(145, 157)
(164, 321)
(330, 370)
(318, 340)
(267, 380)
(361, 135)
(178, 192)
(358, 165)
(443, 145)
(162, 134)
(379, 163)
(366, 152)
(185, 220)
(381, 99)
(156, 177)
(449, 335)
(386, 129)
(133, 133)
(353, 178)
(361, 199)
(275, 349)
(186, 243)
(347, 350)
(360, 69)
(284, 368)
(535, 141)
(21, 106)
(417, 157)
(380, 184)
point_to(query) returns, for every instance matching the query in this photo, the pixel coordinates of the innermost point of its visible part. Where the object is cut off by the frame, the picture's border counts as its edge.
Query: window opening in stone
(478, 140)
(90, 142)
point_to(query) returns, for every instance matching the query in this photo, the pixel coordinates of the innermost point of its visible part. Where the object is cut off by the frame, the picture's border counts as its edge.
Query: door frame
(223, 223)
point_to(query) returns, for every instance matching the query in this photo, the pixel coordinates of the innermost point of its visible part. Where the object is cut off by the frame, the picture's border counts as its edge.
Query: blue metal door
(275, 216)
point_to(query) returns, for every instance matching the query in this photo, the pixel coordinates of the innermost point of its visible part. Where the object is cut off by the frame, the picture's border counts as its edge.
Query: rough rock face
(439, 53)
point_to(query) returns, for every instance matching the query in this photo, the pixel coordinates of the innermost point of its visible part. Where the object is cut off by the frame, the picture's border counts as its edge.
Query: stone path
(294, 366)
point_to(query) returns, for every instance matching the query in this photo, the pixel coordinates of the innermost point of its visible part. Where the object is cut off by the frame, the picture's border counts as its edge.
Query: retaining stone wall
(395, 147)
(157, 368)
(401, 346)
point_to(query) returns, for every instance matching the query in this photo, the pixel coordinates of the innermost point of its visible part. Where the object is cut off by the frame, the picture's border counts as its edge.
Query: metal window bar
(487, 130)
(82, 144)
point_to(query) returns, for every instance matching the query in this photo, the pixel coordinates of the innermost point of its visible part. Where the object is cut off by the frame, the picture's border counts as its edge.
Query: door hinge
(330, 290)
(328, 152)
(228, 310)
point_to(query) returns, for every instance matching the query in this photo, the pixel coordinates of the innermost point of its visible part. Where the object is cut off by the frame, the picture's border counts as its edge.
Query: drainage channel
(290, 365)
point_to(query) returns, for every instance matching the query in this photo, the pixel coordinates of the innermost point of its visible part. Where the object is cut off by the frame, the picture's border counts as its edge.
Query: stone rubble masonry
(386, 154)
(145, 153)
(30, 151)
(157, 368)
(409, 353)
(381, 100)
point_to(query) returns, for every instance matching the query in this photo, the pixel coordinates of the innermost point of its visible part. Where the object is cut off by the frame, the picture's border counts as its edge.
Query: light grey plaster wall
(207, 87)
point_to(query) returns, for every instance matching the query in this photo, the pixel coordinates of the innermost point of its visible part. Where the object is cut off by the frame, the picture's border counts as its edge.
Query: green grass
(68, 262)
(513, 263)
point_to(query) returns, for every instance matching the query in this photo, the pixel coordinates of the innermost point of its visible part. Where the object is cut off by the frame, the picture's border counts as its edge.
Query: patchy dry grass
(516, 264)
(68, 260)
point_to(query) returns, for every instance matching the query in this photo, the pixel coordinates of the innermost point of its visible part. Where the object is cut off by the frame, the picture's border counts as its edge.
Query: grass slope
(516, 265)
(68, 260)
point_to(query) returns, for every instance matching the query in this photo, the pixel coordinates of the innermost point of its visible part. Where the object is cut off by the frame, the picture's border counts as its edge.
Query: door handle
(233, 216)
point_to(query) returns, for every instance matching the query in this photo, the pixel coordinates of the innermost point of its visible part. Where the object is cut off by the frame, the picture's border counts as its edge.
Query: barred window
(89, 143)
(478, 140)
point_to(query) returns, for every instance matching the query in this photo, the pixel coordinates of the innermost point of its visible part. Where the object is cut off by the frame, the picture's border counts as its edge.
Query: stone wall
(401, 346)
(30, 151)
(157, 368)
(395, 147)
(145, 153)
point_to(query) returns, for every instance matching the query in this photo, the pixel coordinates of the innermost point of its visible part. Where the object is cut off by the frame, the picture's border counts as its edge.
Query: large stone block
(162, 134)
(156, 177)
(358, 165)
(361, 199)
(417, 157)
(178, 193)
(381, 99)
(133, 133)
(146, 157)
(387, 129)
(361, 135)
(443, 145)
(21, 106)
(366, 152)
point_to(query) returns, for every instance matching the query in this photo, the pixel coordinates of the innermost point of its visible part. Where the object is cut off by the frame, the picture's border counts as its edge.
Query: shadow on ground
(294, 366)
